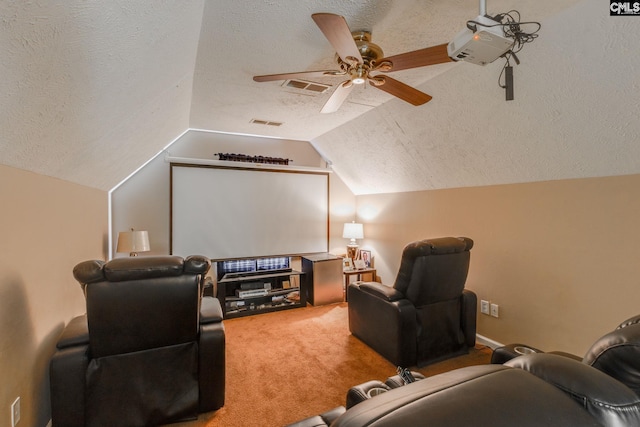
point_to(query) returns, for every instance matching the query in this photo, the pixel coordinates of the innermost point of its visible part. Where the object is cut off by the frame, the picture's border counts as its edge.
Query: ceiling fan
(358, 59)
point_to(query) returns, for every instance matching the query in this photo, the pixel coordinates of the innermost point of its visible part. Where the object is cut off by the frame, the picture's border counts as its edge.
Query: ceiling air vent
(265, 122)
(307, 86)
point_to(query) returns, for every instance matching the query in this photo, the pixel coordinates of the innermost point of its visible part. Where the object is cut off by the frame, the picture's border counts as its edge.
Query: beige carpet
(288, 365)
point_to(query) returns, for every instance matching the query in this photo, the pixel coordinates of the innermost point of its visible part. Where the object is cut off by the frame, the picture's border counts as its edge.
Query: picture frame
(359, 264)
(366, 257)
(347, 263)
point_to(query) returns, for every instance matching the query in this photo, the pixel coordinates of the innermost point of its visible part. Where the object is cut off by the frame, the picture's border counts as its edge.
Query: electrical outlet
(484, 306)
(495, 310)
(15, 412)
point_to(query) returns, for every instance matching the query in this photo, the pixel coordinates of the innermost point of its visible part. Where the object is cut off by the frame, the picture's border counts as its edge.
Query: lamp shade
(133, 242)
(353, 230)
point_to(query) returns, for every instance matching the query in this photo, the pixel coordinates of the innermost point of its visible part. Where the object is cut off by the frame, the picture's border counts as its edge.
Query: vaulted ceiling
(91, 90)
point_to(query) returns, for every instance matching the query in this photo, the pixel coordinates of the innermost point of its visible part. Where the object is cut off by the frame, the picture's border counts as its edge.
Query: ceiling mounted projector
(482, 46)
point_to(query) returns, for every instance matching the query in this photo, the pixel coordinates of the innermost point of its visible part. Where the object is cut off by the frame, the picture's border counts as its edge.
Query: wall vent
(265, 122)
(307, 86)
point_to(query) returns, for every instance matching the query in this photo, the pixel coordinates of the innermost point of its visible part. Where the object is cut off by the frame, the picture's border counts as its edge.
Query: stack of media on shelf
(249, 286)
(253, 289)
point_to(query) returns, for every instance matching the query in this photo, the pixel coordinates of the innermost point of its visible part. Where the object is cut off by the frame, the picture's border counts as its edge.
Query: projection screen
(227, 212)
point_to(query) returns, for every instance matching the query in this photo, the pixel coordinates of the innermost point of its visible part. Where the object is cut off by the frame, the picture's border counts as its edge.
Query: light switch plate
(495, 310)
(15, 412)
(484, 306)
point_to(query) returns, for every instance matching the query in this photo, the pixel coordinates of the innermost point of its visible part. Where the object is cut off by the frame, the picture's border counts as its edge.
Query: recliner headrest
(134, 268)
(196, 264)
(618, 354)
(89, 271)
(421, 281)
(439, 246)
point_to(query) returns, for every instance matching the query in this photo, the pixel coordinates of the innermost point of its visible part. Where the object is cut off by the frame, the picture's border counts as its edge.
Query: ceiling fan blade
(300, 75)
(401, 90)
(417, 58)
(336, 30)
(338, 97)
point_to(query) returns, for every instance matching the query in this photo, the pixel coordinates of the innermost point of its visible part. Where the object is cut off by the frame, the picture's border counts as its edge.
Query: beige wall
(47, 226)
(560, 258)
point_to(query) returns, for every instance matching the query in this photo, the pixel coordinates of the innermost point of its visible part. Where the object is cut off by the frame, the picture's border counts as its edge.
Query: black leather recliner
(537, 389)
(427, 315)
(150, 349)
(617, 353)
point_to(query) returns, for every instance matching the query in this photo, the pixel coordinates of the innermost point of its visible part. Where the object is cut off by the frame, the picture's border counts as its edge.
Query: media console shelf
(252, 286)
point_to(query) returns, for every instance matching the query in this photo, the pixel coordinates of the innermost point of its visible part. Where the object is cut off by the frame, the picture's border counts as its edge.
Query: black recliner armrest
(212, 347)
(469, 310)
(67, 371)
(210, 310)
(75, 333)
(384, 320)
(604, 397)
(382, 291)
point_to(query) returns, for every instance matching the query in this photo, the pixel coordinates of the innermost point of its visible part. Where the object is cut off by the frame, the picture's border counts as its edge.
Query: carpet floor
(288, 365)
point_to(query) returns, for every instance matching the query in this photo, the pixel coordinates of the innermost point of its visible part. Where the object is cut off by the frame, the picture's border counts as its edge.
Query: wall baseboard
(488, 342)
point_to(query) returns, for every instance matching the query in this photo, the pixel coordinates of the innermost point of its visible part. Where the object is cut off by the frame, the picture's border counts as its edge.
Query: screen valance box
(232, 157)
(238, 212)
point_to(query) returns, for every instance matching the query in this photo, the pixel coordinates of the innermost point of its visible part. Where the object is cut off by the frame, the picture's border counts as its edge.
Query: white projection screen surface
(223, 213)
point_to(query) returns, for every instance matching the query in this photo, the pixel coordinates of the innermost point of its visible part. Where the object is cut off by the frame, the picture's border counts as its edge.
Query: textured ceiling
(91, 90)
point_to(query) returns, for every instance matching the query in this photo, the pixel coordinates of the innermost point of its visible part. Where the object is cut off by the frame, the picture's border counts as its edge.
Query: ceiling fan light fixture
(357, 56)
(359, 75)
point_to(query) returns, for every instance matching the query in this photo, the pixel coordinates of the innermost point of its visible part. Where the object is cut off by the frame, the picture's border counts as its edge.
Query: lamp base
(352, 251)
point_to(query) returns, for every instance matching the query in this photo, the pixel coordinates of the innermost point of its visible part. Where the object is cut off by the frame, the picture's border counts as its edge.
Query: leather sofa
(539, 389)
(150, 349)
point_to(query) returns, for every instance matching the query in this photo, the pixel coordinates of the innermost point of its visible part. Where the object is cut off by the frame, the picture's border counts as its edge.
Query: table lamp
(133, 242)
(352, 231)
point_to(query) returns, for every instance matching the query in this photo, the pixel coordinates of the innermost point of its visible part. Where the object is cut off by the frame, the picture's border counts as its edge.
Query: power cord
(512, 27)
